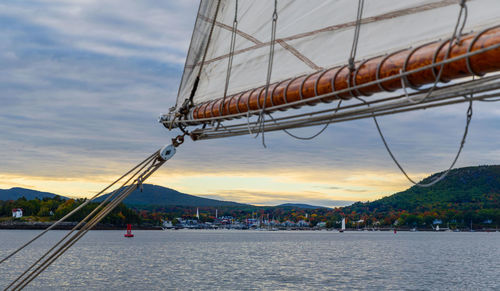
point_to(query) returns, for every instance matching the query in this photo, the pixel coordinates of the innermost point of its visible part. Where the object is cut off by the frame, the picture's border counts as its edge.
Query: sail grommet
(167, 152)
(467, 59)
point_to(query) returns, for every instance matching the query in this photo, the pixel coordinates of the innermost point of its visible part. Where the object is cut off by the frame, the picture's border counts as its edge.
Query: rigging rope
(455, 37)
(154, 162)
(188, 102)
(444, 174)
(354, 47)
(73, 211)
(314, 135)
(261, 119)
(231, 55)
(103, 203)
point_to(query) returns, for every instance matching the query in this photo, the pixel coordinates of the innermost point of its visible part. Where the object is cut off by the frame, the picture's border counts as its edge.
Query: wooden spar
(339, 78)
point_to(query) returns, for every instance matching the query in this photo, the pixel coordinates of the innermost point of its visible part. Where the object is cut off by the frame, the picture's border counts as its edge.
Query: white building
(17, 213)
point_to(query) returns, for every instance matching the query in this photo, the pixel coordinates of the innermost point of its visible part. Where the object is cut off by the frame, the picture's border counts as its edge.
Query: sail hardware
(262, 117)
(188, 103)
(259, 95)
(469, 49)
(457, 34)
(231, 54)
(437, 75)
(354, 77)
(334, 79)
(314, 135)
(168, 151)
(379, 66)
(487, 46)
(444, 174)
(74, 210)
(446, 95)
(354, 48)
(142, 171)
(405, 65)
(316, 83)
(285, 92)
(238, 104)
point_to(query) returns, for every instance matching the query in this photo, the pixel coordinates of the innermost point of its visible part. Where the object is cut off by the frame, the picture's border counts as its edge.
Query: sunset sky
(82, 84)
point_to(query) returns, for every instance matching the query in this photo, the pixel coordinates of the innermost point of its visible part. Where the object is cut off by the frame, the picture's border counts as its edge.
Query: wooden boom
(340, 78)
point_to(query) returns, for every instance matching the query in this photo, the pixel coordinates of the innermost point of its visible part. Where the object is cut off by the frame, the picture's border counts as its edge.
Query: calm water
(242, 260)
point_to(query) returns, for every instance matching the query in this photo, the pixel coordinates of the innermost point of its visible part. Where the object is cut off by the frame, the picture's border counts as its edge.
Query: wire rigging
(261, 119)
(231, 55)
(137, 176)
(455, 37)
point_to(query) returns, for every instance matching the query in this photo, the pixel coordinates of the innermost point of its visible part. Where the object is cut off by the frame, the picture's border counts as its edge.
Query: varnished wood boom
(339, 78)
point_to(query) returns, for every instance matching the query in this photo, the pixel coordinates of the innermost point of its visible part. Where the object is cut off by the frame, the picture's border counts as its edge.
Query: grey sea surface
(261, 260)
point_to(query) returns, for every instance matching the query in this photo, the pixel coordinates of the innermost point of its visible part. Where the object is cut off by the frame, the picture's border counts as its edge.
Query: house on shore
(17, 212)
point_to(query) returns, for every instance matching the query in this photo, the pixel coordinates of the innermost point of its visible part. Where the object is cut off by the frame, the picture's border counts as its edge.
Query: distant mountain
(162, 196)
(16, 193)
(300, 205)
(469, 188)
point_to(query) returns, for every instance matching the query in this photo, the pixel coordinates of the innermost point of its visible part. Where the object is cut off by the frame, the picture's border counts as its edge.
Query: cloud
(83, 82)
(277, 198)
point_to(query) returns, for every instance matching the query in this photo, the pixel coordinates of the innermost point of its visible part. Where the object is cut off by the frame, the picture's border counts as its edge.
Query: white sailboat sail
(343, 224)
(310, 36)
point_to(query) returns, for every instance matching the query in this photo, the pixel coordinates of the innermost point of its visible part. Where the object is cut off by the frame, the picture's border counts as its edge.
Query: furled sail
(312, 47)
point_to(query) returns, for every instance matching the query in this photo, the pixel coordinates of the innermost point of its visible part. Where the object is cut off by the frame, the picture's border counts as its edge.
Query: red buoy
(129, 231)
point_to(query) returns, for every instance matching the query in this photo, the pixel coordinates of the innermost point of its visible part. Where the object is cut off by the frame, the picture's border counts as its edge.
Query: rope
(188, 103)
(74, 211)
(314, 135)
(455, 37)
(354, 47)
(269, 72)
(114, 199)
(364, 85)
(110, 196)
(231, 55)
(444, 174)
(86, 228)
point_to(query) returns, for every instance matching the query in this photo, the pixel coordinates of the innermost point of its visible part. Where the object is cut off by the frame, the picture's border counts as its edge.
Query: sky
(82, 84)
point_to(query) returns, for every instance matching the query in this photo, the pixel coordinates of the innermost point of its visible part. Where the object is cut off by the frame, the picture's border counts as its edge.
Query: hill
(162, 196)
(16, 193)
(466, 193)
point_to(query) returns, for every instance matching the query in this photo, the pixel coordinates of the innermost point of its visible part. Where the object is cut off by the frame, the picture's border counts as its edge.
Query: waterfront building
(17, 212)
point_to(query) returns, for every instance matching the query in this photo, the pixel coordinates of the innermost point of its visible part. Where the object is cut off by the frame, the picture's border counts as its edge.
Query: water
(243, 260)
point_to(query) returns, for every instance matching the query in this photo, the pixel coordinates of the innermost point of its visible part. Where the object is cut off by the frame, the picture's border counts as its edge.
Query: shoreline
(70, 225)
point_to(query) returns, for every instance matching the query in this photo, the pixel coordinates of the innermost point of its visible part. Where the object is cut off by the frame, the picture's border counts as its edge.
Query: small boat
(129, 231)
(343, 225)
